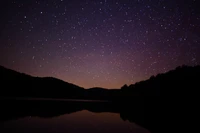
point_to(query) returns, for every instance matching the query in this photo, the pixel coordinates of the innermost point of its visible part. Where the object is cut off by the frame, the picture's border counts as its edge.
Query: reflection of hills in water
(13, 109)
(16, 109)
(99, 119)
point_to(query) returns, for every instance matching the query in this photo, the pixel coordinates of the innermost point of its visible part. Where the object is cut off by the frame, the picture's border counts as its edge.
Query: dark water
(82, 121)
(63, 117)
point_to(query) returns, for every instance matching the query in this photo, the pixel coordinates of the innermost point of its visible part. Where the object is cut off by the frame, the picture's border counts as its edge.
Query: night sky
(99, 43)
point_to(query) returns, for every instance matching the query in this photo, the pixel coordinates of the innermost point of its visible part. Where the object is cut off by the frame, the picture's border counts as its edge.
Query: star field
(104, 43)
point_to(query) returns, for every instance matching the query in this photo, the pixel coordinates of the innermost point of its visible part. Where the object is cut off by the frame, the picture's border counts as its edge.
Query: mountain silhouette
(23, 85)
(165, 101)
(173, 84)
(15, 84)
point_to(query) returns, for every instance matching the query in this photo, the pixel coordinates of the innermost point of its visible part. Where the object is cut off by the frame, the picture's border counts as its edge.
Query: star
(113, 42)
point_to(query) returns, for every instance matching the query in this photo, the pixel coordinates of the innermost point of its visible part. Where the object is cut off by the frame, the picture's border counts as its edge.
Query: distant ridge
(166, 102)
(23, 85)
(26, 86)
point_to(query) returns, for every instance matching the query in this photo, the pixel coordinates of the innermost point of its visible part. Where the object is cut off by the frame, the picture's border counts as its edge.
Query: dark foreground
(36, 111)
(38, 116)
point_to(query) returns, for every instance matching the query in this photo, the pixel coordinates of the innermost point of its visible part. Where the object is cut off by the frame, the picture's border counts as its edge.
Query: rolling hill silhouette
(174, 83)
(22, 85)
(15, 84)
(166, 102)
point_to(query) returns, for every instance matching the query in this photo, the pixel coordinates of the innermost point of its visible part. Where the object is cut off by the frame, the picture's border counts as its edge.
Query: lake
(63, 117)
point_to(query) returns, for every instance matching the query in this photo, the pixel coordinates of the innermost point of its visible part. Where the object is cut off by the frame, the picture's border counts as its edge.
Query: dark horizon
(100, 86)
(80, 85)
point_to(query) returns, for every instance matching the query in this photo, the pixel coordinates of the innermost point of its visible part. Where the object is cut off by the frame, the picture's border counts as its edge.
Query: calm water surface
(82, 121)
(63, 117)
